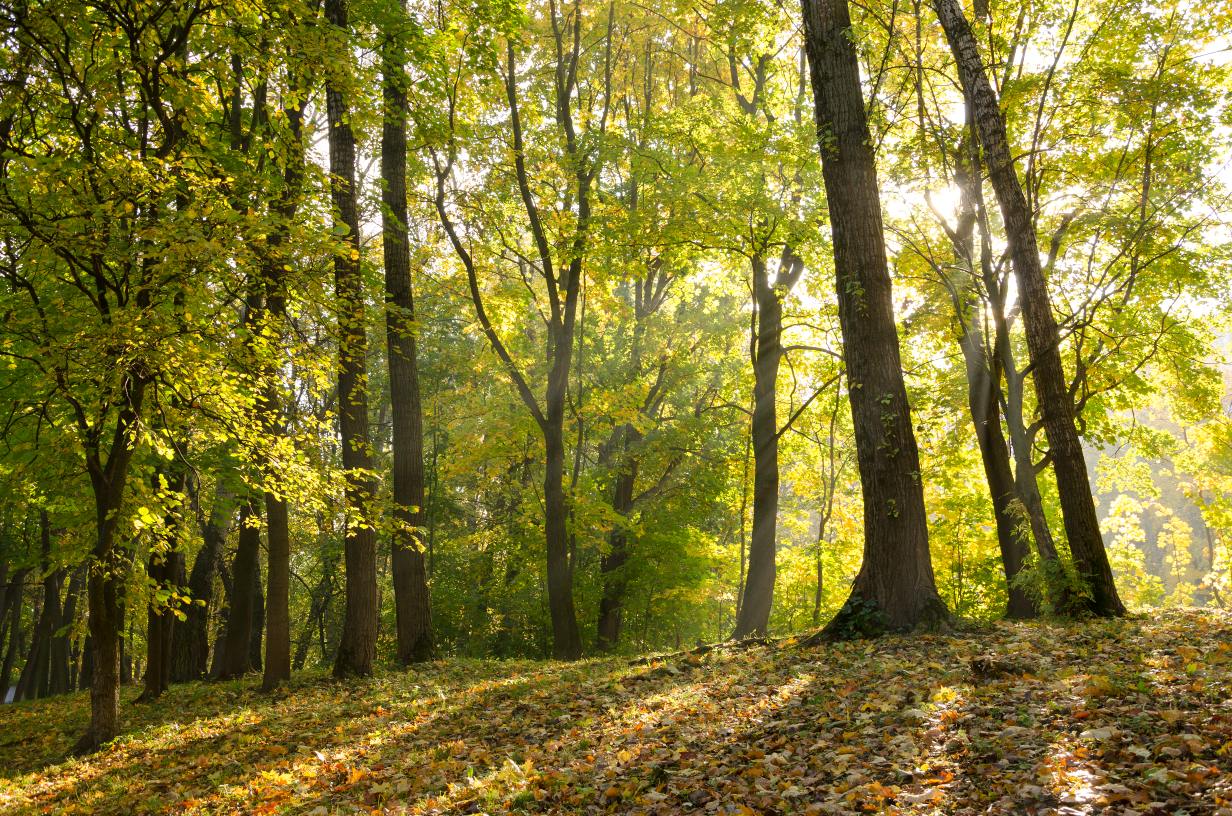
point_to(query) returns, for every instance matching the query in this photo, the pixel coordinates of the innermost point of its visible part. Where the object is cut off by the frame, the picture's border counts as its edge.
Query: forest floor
(1125, 717)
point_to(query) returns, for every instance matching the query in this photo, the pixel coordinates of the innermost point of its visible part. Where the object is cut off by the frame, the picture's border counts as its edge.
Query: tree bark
(236, 657)
(257, 630)
(63, 678)
(895, 588)
(612, 565)
(357, 648)
(758, 591)
(983, 396)
(109, 564)
(12, 611)
(1043, 338)
(35, 679)
(410, 582)
(191, 649)
(277, 669)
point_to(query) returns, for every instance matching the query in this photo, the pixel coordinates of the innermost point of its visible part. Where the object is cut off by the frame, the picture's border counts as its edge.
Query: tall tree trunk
(277, 515)
(758, 591)
(566, 639)
(895, 588)
(236, 657)
(612, 565)
(63, 679)
(191, 643)
(36, 674)
(983, 394)
(994, 454)
(1065, 447)
(12, 611)
(357, 648)
(411, 601)
(109, 564)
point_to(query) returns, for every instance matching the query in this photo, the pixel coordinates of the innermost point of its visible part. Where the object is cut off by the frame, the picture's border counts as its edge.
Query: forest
(395, 350)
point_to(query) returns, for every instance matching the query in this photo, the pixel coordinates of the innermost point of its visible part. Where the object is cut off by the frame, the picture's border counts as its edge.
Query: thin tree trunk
(357, 648)
(612, 565)
(256, 633)
(895, 588)
(36, 673)
(63, 678)
(410, 583)
(107, 570)
(758, 591)
(983, 402)
(1043, 338)
(12, 611)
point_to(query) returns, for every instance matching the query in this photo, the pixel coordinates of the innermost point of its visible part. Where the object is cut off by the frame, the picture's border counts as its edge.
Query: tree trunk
(257, 630)
(994, 454)
(612, 565)
(357, 648)
(63, 679)
(277, 513)
(107, 570)
(983, 394)
(1043, 338)
(35, 677)
(12, 611)
(895, 588)
(566, 639)
(236, 657)
(191, 643)
(758, 592)
(410, 582)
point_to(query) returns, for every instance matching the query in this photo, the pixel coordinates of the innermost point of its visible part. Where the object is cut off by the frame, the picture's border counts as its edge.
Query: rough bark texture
(191, 643)
(108, 566)
(278, 563)
(236, 658)
(1077, 505)
(410, 580)
(895, 588)
(357, 648)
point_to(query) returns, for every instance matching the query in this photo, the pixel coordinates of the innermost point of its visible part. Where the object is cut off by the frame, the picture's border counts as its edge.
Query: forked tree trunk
(410, 580)
(357, 649)
(895, 588)
(983, 402)
(1043, 338)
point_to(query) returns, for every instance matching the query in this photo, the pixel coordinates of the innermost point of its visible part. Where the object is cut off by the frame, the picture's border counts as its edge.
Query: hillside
(1123, 717)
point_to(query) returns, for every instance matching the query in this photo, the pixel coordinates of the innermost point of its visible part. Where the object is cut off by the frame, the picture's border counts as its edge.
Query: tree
(357, 648)
(895, 588)
(411, 600)
(1043, 338)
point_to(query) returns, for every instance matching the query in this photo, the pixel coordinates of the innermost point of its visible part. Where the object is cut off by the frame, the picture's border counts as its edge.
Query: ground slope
(1117, 717)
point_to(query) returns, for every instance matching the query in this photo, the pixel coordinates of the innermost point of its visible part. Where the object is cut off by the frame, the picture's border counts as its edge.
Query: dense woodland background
(362, 333)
